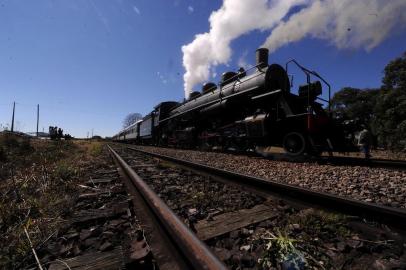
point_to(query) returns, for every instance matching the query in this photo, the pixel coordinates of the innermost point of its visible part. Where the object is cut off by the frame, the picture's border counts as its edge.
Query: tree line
(381, 110)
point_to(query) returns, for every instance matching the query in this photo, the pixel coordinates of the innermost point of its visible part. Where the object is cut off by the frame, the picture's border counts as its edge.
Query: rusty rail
(189, 248)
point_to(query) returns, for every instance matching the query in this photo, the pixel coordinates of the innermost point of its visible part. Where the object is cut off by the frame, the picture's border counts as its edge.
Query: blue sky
(90, 63)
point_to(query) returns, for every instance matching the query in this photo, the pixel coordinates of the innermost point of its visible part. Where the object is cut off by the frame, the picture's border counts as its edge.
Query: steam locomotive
(248, 108)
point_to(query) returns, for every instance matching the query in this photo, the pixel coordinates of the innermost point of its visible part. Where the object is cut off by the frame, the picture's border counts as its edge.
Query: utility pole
(12, 118)
(37, 118)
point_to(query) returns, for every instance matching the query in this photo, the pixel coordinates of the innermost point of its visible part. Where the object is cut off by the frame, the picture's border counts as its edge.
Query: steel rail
(336, 160)
(191, 249)
(373, 162)
(389, 215)
(332, 160)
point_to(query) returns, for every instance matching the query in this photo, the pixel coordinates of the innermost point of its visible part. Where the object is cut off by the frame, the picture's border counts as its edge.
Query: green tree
(390, 123)
(395, 74)
(390, 109)
(353, 103)
(383, 110)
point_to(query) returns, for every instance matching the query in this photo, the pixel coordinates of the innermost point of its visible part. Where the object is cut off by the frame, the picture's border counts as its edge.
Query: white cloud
(137, 10)
(232, 20)
(344, 23)
(190, 9)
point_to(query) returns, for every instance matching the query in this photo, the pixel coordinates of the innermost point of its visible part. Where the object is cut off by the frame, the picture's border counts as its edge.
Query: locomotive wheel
(294, 144)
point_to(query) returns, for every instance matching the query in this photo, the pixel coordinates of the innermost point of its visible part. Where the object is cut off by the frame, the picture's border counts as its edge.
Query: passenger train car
(130, 133)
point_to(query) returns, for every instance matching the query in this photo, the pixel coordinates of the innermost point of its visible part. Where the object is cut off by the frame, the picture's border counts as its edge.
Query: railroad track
(301, 199)
(98, 229)
(333, 160)
(343, 161)
(373, 212)
(373, 162)
(177, 247)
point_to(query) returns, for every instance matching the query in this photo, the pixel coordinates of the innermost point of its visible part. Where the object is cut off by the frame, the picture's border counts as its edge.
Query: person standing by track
(364, 142)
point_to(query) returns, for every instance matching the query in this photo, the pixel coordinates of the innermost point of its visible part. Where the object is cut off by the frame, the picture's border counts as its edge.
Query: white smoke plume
(344, 23)
(233, 19)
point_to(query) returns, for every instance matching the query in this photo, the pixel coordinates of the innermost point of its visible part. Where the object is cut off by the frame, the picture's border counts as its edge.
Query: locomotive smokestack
(261, 56)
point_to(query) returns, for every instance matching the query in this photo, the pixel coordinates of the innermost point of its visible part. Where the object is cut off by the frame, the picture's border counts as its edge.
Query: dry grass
(94, 148)
(38, 181)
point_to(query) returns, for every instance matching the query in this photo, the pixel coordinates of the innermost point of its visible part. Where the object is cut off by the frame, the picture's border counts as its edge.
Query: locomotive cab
(311, 90)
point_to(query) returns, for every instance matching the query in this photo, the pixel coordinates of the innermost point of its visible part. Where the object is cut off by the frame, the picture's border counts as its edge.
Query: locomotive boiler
(246, 109)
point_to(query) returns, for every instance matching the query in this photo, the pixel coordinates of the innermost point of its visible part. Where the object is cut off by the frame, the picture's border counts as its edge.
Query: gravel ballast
(374, 185)
(291, 238)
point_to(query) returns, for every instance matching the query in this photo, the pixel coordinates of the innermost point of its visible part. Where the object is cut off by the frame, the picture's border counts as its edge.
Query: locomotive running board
(267, 94)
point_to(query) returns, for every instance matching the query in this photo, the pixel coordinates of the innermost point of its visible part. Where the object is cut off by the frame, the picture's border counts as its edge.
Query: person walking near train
(364, 142)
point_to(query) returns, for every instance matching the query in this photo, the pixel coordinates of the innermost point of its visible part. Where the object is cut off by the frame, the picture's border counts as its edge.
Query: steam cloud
(344, 23)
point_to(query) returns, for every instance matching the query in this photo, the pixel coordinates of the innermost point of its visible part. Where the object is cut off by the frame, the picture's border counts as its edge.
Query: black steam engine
(246, 109)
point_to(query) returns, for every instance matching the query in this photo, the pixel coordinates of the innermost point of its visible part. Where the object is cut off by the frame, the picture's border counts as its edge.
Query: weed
(198, 197)
(321, 221)
(55, 150)
(12, 144)
(280, 250)
(64, 171)
(8, 140)
(95, 148)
